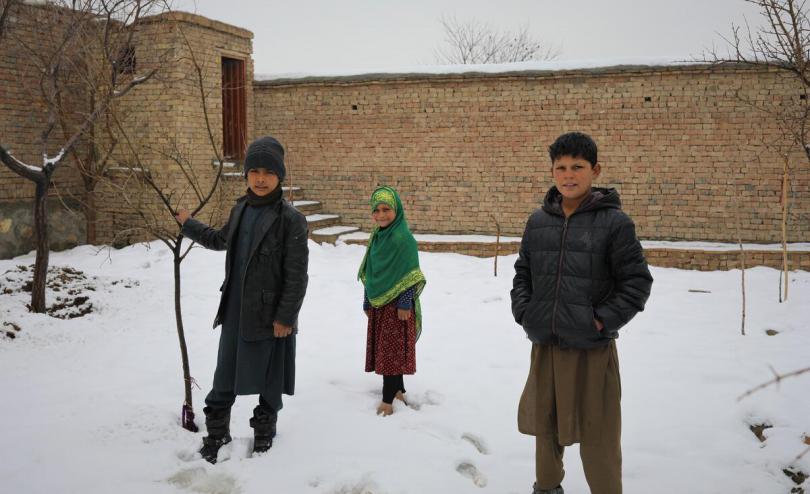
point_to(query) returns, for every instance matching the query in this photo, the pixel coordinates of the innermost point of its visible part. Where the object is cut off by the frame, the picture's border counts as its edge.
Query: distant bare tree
(474, 42)
(75, 96)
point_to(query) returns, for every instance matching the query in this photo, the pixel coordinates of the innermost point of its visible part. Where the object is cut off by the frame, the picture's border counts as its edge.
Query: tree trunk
(42, 247)
(188, 407)
(90, 215)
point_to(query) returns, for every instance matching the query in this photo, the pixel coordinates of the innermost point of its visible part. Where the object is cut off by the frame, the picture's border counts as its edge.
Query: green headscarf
(391, 263)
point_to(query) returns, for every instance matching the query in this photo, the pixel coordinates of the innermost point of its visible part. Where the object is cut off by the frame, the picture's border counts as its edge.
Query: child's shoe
(264, 429)
(556, 490)
(217, 422)
(385, 409)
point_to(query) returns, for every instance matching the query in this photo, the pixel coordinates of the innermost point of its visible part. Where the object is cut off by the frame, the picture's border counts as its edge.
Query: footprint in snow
(361, 487)
(471, 472)
(199, 480)
(429, 397)
(476, 441)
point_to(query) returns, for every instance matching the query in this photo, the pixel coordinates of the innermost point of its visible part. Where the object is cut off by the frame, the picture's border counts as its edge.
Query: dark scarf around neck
(270, 199)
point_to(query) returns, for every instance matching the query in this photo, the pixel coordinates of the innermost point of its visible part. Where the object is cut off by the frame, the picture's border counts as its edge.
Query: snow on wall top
(505, 68)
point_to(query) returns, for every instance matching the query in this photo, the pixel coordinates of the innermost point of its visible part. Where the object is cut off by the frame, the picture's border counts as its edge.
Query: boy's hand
(404, 314)
(599, 325)
(182, 215)
(280, 330)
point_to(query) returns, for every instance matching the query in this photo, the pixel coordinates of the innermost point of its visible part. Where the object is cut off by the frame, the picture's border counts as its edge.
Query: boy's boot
(217, 422)
(556, 490)
(264, 428)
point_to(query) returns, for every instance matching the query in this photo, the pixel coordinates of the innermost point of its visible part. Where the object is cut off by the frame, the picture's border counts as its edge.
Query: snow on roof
(536, 66)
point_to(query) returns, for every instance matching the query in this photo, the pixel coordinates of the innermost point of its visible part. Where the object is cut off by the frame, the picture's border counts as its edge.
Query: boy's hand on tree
(182, 215)
(404, 314)
(280, 330)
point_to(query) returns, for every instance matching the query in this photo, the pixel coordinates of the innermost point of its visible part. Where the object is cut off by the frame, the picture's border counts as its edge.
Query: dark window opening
(647, 99)
(125, 63)
(234, 109)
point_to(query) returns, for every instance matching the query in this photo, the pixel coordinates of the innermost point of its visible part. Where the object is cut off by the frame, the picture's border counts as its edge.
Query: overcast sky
(308, 36)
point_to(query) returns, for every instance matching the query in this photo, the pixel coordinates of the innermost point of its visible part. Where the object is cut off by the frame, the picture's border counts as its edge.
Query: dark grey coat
(275, 279)
(572, 270)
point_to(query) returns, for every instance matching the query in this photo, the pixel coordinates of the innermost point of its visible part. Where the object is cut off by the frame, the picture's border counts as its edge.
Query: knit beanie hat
(266, 152)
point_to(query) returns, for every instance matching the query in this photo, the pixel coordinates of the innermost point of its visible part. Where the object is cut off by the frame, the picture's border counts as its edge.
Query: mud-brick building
(166, 122)
(688, 146)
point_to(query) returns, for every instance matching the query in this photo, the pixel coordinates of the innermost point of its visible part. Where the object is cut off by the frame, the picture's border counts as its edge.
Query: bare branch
(20, 168)
(778, 378)
(211, 139)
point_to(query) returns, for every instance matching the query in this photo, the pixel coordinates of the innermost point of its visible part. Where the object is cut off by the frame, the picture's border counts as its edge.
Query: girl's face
(383, 215)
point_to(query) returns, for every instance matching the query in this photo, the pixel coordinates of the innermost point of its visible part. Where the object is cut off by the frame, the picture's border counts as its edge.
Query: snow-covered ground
(91, 405)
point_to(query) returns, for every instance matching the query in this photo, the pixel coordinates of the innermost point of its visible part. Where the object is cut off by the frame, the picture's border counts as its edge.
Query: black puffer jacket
(275, 280)
(573, 270)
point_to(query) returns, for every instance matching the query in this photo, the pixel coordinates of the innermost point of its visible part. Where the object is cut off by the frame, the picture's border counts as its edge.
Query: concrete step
(318, 221)
(307, 207)
(471, 245)
(330, 234)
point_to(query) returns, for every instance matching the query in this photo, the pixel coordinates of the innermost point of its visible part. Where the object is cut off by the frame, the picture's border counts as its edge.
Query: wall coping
(509, 71)
(198, 20)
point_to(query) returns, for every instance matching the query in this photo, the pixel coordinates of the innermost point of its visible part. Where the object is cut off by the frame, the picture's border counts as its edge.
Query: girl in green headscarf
(393, 282)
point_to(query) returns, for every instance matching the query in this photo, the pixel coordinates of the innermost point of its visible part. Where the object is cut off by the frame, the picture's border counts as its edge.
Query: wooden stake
(785, 187)
(497, 243)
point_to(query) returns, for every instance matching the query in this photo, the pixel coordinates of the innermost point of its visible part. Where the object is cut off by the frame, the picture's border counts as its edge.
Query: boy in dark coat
(264, 287)
(579, 277)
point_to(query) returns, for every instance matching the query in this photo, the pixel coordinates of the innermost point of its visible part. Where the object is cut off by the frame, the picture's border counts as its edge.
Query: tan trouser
(602, 463)
(573, 396)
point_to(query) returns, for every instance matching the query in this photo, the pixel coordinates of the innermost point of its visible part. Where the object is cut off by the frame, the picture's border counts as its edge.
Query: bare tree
(782, 43)
(155, 196)
(474, 42)
(71, 33)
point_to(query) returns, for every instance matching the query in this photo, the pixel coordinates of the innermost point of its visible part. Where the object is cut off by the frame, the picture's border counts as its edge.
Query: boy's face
(383, 215)
(262, 181)
(573, 177)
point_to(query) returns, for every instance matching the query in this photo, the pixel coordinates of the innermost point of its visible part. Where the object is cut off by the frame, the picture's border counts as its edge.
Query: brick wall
(682, 145)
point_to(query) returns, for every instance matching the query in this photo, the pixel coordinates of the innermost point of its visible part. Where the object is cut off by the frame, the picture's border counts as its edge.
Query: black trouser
(391, 386)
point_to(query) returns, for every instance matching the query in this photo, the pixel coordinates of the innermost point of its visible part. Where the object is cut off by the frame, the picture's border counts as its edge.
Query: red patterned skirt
(391, 343)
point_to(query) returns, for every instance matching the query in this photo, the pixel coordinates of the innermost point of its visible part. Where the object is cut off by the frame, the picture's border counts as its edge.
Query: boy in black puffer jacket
(580, 276)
